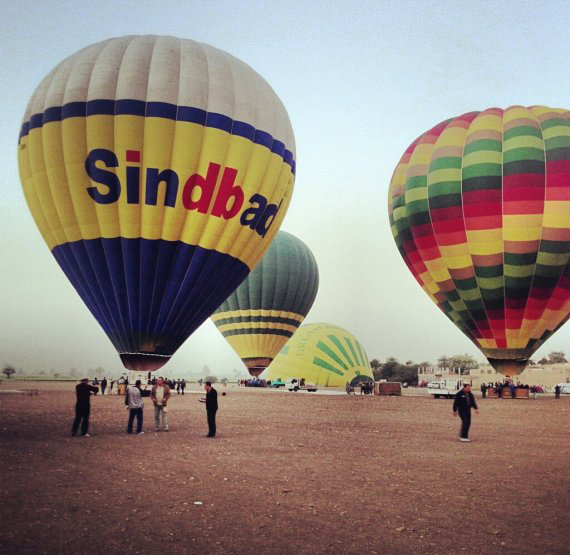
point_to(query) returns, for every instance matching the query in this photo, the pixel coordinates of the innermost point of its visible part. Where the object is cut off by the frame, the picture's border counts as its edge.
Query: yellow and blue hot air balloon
(323, 354)
(158, 171)
(260, 316)
(480, 210)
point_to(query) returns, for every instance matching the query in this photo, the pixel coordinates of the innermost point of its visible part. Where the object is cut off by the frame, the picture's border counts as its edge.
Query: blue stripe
(149, 295)
(160, 110)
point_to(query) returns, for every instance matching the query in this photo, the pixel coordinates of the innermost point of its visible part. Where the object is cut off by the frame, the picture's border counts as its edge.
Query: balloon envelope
(323, 354)
(158, 171)
(260, 316)
(480, 210)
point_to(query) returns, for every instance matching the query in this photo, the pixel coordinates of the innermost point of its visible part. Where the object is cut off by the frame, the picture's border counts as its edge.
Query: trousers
(211, 421)
(465, 424)
(159, 413)
(139, 415)
(81, 416)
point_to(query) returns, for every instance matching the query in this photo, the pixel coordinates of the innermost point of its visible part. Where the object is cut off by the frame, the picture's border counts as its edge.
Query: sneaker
(464, 439)
(166, 430)
(86, 435)
(140, 433)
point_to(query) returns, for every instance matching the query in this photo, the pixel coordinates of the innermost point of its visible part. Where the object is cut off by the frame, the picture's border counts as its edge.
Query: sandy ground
(289, 474)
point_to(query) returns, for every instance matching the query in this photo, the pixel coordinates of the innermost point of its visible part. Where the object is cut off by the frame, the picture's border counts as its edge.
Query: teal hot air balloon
(260, 316)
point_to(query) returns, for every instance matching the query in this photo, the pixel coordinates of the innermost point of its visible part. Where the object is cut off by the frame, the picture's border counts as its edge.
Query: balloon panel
(323, 354)
(158, 171)
(260, 316)
(480, 211)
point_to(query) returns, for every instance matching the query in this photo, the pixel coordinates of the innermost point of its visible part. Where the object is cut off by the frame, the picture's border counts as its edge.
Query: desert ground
(289, 473)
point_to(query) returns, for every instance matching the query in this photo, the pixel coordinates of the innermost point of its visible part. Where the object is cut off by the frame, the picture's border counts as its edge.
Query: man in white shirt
(134, 402)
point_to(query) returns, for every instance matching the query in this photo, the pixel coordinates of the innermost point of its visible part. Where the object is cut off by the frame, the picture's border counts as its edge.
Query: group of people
(498, 388)
(159, 394)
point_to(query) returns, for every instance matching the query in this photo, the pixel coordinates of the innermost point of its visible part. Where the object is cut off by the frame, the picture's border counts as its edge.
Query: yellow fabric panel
(557, 214)
(256, 312)
(52, 165)
(262, 325)
(482, 157)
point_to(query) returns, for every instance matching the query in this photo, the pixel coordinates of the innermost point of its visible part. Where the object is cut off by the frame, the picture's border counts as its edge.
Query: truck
(297, 384)
(444, 388)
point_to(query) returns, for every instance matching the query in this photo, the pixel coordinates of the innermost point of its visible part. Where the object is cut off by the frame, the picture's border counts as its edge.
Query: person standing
(134, 402)
(83, 406)
(557, 389)
(484, 390)
(159, 394)
(463, 402)
(211, 401)
(103, 385)
(182, 385)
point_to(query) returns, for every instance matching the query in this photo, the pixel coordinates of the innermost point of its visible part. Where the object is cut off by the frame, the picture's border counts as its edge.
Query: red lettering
(207, 186)
(226, 192)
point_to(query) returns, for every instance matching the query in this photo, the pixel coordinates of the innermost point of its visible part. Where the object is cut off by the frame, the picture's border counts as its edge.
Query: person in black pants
(211, 401)
(463, 402)
(83, 406)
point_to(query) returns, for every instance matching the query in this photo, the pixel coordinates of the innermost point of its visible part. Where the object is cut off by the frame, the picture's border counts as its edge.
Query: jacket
(460, 402)
(212, 399)
(166, 394)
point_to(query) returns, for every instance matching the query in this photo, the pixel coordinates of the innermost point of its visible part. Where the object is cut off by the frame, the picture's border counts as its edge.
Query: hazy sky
(360, 80)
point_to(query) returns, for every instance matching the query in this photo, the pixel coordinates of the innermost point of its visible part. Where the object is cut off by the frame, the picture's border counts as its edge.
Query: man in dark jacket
(83, 406)
(463, 403)
(211, 401)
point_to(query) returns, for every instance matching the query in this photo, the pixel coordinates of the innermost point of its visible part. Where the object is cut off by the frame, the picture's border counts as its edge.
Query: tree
(443, 362)
(224, 381)
(8, 371)
(543, 360)
(463, 363)
(376, 366)
(557, 357)
(211, 379)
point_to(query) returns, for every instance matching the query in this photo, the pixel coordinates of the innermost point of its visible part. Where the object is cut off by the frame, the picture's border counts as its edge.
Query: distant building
(547, 375)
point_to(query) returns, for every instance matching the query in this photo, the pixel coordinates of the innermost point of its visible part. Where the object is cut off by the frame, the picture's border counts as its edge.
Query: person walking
(159, 394)
(134, 402)
(463, 402)
(83, 406)
(182, 385)
(211, 401)
(103, 385)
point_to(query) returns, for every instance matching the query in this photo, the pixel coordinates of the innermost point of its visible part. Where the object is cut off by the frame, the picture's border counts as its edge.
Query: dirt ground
(289, 473)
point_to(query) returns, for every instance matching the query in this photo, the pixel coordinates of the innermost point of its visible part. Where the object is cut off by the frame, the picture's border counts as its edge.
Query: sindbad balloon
(480, 210)
(260, 316)
(158, 171)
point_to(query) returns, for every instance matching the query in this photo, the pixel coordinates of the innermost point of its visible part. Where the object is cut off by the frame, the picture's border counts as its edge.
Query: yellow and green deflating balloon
(260, 316)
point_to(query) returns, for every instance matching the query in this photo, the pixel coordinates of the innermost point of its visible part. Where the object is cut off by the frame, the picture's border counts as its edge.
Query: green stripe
(341, 348)
(242, 319)
(320, 362)
(322, 347)
(257, 331)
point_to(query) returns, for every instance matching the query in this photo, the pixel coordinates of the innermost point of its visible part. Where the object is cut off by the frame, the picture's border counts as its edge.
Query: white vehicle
(444, 388)
(564, 388)
(296, 384)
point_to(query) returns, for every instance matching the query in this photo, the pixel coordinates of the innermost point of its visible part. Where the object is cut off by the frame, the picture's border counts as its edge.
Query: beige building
(547, 375)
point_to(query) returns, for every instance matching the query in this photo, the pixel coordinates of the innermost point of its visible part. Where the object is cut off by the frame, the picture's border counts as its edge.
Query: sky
(360, 81)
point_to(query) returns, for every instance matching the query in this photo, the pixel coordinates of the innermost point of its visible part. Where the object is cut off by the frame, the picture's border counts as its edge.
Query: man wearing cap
(134, 402)
(83, 406)
(463, 403)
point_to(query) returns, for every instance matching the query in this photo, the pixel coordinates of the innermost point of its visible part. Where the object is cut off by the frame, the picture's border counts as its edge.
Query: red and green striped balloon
(479, 207)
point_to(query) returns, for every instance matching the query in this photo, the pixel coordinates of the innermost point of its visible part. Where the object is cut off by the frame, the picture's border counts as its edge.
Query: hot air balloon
(260, 316)
(480, 210)
(158, 171)
(323, 354)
